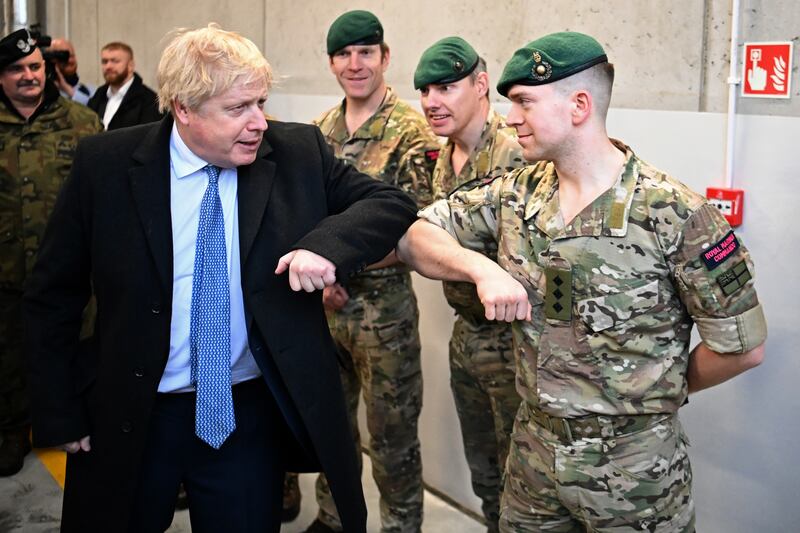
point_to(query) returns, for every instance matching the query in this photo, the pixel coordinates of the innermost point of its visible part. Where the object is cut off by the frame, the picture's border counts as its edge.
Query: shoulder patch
(432, 155)
(718, 253)
(734, 279)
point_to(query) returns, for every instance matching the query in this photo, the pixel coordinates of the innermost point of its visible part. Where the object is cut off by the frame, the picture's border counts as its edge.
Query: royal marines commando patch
(718, 253)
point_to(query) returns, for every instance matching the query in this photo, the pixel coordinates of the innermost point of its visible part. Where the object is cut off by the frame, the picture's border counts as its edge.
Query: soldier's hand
(503, 297)
(307, 270)
(334, 297)
(75, 446)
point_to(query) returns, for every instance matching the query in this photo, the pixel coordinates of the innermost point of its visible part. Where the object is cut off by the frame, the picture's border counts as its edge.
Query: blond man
(207, 239)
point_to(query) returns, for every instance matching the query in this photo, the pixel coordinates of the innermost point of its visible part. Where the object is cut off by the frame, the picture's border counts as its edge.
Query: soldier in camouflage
(454, 93)
(604, 264)
(374, 318)
(39, 131)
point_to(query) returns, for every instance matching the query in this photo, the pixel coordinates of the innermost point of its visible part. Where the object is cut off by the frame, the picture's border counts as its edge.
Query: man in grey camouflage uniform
(39, 130)
(374, 318)
(604, 264)
(454, 93)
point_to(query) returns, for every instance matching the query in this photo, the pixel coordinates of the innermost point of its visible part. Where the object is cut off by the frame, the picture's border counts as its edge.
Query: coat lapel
(150, 186)
(255, 185)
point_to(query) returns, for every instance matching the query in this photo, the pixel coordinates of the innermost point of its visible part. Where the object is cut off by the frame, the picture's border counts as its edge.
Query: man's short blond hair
(200, 64)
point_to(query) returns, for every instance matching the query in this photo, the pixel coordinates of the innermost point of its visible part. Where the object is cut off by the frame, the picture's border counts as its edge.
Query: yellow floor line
(56, 463)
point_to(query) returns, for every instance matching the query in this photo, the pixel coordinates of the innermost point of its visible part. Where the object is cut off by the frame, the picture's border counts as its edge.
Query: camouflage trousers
(14, 400)
(635, 481)
(378, 338)
(482, 379)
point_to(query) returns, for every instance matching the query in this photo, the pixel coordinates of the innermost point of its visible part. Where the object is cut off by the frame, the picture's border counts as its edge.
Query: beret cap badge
(458, 65)
(25, 46)
(541, 70)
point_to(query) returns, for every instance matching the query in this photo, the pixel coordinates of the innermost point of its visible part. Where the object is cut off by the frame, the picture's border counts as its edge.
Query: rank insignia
(558, 295)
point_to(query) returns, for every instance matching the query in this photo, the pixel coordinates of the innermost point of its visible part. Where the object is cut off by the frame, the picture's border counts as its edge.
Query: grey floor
(30, 502)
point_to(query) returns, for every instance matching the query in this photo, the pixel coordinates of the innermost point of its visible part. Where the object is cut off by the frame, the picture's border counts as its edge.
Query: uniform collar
(607, 215)
(335, 127)
(479, 162)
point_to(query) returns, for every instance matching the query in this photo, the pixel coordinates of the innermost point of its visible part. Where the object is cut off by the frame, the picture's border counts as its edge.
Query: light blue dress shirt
(188, 182)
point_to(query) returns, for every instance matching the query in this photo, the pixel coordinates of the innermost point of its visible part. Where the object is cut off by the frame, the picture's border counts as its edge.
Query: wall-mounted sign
(767, 70)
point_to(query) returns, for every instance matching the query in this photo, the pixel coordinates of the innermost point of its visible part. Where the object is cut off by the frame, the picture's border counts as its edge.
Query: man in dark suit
(124, 100)
(206, 239)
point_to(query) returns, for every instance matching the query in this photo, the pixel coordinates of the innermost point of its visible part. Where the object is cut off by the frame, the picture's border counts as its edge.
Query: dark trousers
(236, 488)
(14, 403)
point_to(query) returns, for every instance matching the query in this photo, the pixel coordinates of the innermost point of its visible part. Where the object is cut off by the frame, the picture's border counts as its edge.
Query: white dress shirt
(114, 101)
(188, 182)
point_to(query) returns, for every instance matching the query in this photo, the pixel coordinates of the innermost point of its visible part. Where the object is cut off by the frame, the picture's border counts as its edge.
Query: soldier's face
(23, 80)
(452, 109)
(359, 69)
(225, 130)
(541, 116)
(117, 66)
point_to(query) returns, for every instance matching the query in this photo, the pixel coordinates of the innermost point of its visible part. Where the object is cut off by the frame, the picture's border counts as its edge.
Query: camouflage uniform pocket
(648, 480)
(646, 455)
(619, 309)
(12, 258)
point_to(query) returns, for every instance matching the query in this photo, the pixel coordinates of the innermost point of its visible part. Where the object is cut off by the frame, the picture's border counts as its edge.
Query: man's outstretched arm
(435, 254)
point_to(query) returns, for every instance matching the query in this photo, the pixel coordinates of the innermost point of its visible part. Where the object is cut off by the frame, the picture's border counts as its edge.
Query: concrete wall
(671, 61)
(669, 55)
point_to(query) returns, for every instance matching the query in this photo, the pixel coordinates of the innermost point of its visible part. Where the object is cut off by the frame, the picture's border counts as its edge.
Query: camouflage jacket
(395, 146)
(614, 292)
(497, 152)
(35, 159)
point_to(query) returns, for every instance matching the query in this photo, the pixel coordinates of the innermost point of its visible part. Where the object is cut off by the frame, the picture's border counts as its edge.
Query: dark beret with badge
(15, 46)
(551, 58)
(354, 27)
(446, 61)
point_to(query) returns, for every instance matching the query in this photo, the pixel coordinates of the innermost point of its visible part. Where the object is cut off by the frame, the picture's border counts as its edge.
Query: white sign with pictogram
(767, 70)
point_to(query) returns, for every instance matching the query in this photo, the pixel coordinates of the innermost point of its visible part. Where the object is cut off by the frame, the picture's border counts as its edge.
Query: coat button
(156, 308)
(127, 427)
(138, 372)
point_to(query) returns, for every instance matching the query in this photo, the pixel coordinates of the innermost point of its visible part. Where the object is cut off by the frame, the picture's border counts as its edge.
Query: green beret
(15, 46)
(448, 60)
(551, 58)
(354, 27)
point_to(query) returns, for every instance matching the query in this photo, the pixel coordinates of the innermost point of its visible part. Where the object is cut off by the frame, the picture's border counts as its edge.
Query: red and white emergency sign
(767, 71)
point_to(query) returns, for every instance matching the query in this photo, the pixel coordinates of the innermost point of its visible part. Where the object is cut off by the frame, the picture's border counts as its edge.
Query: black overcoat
(110, 232)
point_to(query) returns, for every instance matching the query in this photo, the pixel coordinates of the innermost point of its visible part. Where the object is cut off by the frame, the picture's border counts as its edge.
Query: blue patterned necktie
(210, 329)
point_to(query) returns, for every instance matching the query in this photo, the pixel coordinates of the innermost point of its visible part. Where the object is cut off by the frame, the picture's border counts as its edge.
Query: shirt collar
(478, 162)
(122, 90)
(372, 129)
(606, 215)
(184, 162)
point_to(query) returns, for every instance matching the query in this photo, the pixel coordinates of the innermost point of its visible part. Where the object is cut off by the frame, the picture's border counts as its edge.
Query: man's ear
(386, 56)
(180, 112)
(582, 106)
(482, 83)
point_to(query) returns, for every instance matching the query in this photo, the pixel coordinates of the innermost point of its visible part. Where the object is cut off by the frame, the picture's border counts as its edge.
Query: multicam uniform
(377, 330)
(602, 364)
(35, 158)
(481, 358)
